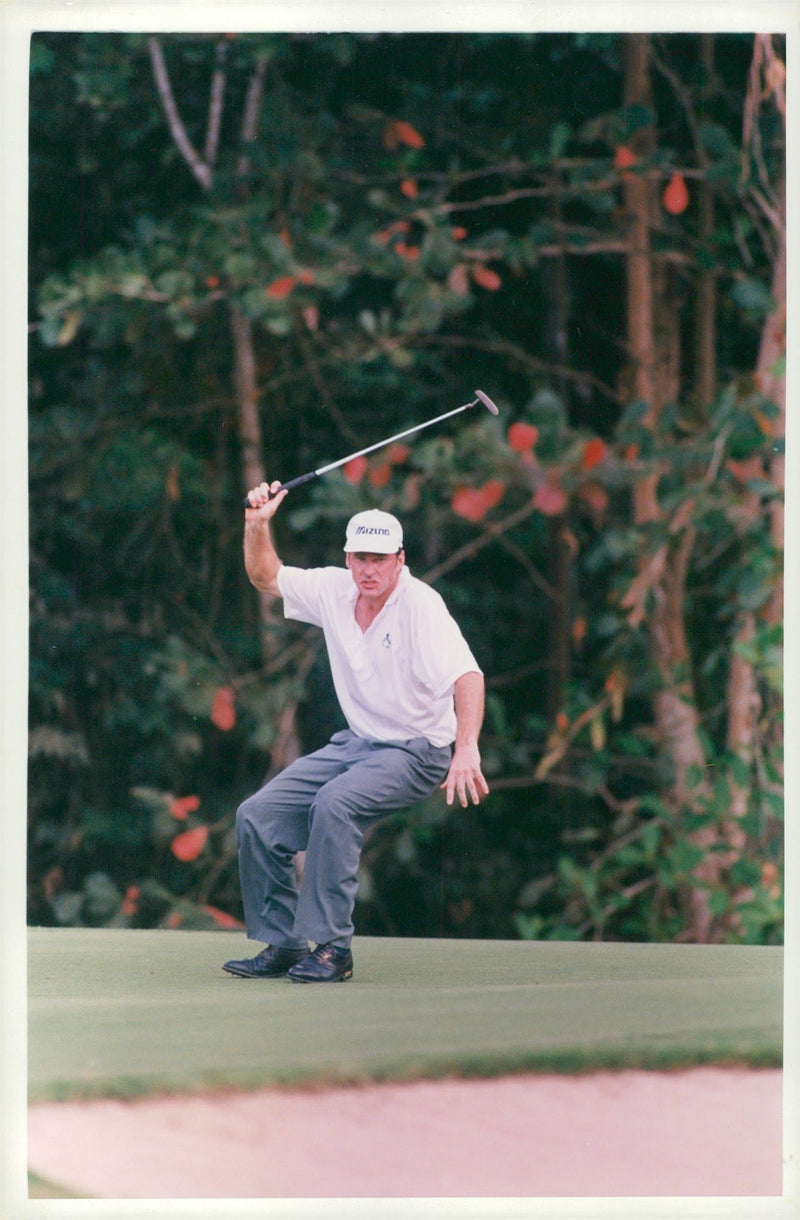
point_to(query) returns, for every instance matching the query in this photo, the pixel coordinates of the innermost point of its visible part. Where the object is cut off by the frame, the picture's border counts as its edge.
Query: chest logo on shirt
(386, 642)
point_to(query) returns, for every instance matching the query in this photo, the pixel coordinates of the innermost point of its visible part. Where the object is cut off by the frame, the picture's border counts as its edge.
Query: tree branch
(216, 102)
(469, 549)
(252, 111)
(189, 153)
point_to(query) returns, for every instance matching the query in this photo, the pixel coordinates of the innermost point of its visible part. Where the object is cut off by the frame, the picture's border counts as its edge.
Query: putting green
(123, 1013)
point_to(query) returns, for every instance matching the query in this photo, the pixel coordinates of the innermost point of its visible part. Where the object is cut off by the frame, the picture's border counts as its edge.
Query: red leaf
(468, 503)
(409, 252)
(550, 499)
(458, 233)
(182, 806)
(623, 157)
(222, 918)
(130, 903)
(750, 468)
(223, 711)
(594, 452)
(631, 452)
(380, 475)
(409, 188)
(174, 919)
(397, 453)
(522, 437)
(474, 503)
(355, 469)
(305, 277)
(406, 134)
(487, 278)
(578, 631)
(493, 492)
(189, 845)
(676, 195)
(281, 288)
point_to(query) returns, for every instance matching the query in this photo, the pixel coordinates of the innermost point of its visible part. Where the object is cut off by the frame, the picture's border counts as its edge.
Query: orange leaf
(355, 469)
(751, 468)
(397, 453)
(189, 845)
(624, 158)
(306, 276)
(676, 195)
(578, 631)
(458, 233)
(130, 903)
(281, 288)
(174, 919)
(212, 281)
(562, 722)
(409, 252)
(409, 188)
(379, 475)
(594, 452)
(222, 918)
(522, 437)
(406, 134)
(487, 278)
(631, 452)
(223, 711)
(182, 806)
(550, 499)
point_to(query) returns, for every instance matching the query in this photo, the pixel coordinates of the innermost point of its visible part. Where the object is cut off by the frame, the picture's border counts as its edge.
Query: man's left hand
(465, 777)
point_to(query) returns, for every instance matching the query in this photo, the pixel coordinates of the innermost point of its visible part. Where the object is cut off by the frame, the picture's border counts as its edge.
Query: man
(413, 698)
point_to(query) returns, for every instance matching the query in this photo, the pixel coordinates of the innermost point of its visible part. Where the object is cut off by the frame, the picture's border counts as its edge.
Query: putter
(480, 397)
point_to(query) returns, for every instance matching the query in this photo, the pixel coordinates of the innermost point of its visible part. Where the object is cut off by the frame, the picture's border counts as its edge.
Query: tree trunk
(245, 370)
(705, 327)
(654, 353)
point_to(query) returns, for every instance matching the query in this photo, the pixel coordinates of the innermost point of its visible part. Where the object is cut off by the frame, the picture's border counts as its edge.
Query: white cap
(375, 532)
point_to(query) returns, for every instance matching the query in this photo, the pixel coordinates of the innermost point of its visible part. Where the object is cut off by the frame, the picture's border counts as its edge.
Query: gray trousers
(322, 804)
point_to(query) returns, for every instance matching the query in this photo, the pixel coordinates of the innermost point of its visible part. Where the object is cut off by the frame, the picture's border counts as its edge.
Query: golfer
(412, 695)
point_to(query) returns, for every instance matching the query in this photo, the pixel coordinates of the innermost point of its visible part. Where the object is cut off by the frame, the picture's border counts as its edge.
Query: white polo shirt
(395, 680)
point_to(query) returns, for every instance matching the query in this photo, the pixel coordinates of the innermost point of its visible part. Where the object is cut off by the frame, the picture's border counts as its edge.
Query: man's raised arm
(261, 560)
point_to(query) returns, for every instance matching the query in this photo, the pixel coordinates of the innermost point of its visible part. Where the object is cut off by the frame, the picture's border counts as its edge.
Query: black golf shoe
(270, 963)
(326, 964)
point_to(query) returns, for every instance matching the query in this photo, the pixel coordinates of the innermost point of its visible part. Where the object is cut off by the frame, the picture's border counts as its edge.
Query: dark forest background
(250, 254)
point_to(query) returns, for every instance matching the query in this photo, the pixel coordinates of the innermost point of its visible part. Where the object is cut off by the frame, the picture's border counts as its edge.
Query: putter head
(487, 402)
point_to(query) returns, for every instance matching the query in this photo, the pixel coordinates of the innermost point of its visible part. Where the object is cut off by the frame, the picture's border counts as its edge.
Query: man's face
(375, 575)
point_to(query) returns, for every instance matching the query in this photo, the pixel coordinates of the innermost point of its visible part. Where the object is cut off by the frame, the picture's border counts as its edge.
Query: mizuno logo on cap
(370, 529)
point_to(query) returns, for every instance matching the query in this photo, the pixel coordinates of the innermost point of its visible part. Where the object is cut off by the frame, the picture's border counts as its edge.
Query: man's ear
(347, 558)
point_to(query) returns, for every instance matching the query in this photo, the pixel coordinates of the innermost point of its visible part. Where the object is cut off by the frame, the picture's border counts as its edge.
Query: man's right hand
(264, 501)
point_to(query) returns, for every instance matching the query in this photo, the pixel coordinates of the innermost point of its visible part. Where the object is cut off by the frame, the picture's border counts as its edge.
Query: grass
(126, 1013)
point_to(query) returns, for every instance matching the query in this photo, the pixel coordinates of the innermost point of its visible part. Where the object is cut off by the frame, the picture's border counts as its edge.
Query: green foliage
(393, 239)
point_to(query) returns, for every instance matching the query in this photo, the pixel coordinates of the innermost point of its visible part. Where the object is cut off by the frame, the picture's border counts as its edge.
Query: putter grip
(301, 478)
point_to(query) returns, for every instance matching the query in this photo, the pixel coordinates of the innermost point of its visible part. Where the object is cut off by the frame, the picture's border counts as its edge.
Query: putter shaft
(480, 397)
